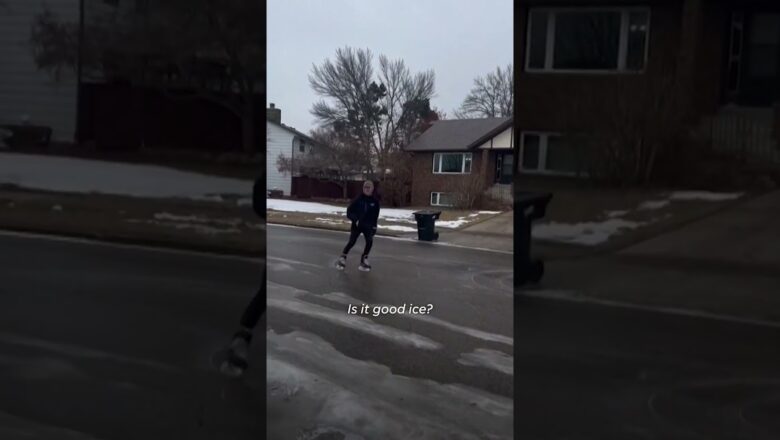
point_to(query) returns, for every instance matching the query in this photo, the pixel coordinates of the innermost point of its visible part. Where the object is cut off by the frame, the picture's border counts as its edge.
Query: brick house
(724, 55)
(456, 154)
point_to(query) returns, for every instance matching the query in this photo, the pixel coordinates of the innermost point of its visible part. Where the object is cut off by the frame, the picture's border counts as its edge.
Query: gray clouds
(458, 39)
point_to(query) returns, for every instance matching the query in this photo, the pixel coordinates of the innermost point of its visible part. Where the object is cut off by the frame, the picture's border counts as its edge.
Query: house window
(735, 51)
(452, 163)
(548, 153)
(442, 199)
(302, 147)
(587, 39)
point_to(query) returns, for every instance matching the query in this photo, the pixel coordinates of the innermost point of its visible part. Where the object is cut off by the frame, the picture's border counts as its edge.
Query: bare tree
(620, 132)
(468, 190)
(187, 49)
(381, 112)
(332, 158)
(491, 97)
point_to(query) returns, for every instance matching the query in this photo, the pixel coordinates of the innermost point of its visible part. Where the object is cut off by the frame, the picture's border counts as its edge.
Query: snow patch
(388, 215)
(616, 214)
(200, 228)
(586, 233)
(495, 360)
(165, 216)
(708, 196)
(329, 221)
(653, 204)
(398, 228)
(64, 174)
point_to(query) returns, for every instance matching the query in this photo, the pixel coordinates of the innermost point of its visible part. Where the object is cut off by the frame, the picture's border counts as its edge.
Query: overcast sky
(458, 39)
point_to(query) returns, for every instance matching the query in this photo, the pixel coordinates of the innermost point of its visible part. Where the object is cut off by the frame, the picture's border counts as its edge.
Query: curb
(330, 228)
(135, 241)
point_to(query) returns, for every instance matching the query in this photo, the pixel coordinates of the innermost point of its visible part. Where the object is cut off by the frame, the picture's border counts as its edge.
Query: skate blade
(362, 269)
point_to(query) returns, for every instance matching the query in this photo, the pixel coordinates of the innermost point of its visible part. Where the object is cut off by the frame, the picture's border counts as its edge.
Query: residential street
(108, 342)
(443, 376)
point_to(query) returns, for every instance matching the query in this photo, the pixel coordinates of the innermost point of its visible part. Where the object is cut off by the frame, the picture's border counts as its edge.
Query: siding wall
(24, 90)
(502, 140)
(278, 141)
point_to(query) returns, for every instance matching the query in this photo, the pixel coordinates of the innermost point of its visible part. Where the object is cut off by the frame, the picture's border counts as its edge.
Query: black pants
(255, 309)
(354, 233)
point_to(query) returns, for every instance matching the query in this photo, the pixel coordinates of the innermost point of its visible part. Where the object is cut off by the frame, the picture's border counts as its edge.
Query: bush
(469, 190)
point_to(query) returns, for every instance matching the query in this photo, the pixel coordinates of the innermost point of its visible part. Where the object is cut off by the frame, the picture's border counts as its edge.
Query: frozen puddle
(317, 393)
(493, 359)
(289, 299)
(345, 299)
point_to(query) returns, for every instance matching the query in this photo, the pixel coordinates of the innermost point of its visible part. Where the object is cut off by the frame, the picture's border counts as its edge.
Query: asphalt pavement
(445, 374)
(110, 342)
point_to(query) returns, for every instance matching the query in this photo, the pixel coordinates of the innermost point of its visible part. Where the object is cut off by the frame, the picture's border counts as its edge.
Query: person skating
(364, 214)
(237, 356)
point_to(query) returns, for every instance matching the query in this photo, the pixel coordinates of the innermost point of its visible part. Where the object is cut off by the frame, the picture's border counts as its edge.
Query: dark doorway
(759, 85)
(504, 167)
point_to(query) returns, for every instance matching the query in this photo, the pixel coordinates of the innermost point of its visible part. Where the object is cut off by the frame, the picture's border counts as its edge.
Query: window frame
(465, 155)
(549, 50)
(542, 169)
(438, 199)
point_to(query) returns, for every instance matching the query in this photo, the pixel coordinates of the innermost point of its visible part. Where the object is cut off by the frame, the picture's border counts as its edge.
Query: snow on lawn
(307, 207)
(386, 214)
(615, 214)
(398, 228)
(653, 204)
(704, 195)
(329, 221)
(586, 233)
(321, 208)
(64, 174)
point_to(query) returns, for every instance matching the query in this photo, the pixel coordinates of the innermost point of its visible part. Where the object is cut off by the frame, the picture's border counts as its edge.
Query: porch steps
(500, 192)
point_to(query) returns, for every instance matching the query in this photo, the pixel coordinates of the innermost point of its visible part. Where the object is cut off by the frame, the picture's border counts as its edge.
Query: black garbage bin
(258, 197)
(426, 225)
(529, 206)
(275, 194)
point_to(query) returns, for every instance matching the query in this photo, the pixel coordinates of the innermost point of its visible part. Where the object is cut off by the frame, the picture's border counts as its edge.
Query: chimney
(274, 114)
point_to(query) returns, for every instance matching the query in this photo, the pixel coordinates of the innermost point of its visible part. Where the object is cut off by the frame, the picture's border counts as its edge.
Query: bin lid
(427, 212)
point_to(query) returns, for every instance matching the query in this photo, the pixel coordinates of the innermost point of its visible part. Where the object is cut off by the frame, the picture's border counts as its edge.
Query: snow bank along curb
(386, 214)
(62, 174)
(596, 233)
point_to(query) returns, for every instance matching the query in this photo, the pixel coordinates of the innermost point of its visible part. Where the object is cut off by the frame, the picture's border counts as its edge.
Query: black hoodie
(364, 211)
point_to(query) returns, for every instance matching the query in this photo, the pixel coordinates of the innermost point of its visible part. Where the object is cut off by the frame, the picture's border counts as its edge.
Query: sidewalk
(692, 287)
(496, 242)
(494, 233)
(726, 264)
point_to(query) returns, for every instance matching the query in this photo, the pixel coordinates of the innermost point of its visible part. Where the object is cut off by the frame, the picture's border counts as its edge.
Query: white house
(28, 95)
(285, 141)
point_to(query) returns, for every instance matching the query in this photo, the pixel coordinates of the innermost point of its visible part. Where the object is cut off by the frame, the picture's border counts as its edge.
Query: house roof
(458, 134)
(291, 130)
